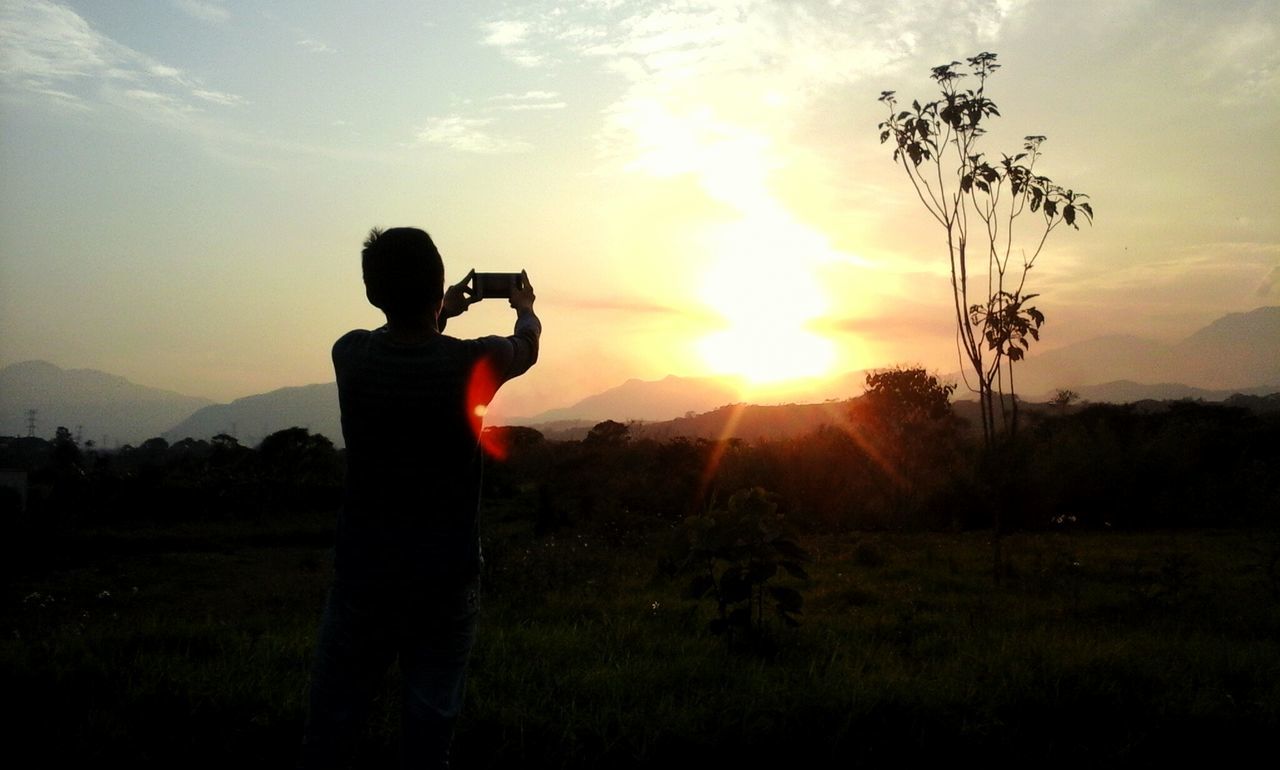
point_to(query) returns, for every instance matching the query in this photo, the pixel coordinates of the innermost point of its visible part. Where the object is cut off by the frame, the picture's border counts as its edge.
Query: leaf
(790, 550)
(761, 572)
(1069, 214)
(788, 599)
(700, 586)
(734, 587)
(1050, 208)
(795, 570)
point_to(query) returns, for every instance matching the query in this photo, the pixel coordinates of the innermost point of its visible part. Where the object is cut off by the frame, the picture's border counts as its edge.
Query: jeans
(367, 624)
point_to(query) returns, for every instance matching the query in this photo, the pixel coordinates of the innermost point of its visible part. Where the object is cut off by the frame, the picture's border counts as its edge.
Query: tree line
(900, 459)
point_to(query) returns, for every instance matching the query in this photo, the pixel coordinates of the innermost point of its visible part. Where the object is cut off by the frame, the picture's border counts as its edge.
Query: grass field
(189, 646)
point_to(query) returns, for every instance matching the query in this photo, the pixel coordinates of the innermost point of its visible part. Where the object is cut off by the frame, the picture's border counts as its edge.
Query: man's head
(403, 272)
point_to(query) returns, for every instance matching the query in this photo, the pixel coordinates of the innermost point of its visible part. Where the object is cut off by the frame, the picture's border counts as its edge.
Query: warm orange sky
(693, 187)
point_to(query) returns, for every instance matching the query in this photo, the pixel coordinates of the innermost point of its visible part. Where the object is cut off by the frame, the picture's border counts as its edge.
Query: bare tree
(978, 203)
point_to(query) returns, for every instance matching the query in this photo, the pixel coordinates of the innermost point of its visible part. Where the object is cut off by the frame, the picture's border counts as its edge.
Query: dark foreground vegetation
(159, 604)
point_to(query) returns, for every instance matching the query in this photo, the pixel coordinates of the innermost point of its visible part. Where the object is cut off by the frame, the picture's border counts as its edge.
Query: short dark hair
(403, 271)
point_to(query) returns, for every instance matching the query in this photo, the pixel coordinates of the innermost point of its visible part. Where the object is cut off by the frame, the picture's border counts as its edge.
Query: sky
(694, 187)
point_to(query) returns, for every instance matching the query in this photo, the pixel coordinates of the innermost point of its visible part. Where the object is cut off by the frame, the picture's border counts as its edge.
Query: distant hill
(1125, 391)
(1101, 359)
(645, 400)
(749, 422)
(250, 419)
(96, 403)
(673, 396)
(1237, 352)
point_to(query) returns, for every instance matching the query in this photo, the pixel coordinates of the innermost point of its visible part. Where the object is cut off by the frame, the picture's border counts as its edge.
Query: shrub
(733, 553)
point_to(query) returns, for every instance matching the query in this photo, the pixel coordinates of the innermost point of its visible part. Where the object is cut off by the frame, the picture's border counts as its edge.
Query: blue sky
(694, 187)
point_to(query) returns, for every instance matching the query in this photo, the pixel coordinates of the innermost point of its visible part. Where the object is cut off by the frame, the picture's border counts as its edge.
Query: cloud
(897, 325)
(217, 97)
(529, 100)
(526, 96)
(1268, 285)
(65, 99)
(1196, 265)
(715, 79)
(536, 106)
(204, 11)
(315, 46)
(505, 33)
(717, 90)
(632, 306)
(52, 51)
(165, 71)
(44, 42)
(1238, 60)
(466, 134)
(473, 134)
(510, 36)
(708, 84)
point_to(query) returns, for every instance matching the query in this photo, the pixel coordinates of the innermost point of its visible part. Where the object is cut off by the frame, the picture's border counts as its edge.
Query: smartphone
(495, 285)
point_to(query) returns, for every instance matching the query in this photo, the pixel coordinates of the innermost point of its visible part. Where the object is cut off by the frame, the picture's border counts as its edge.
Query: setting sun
(765, 353)
(767, 303)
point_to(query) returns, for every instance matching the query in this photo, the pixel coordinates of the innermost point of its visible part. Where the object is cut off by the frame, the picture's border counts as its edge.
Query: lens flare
(481, 387)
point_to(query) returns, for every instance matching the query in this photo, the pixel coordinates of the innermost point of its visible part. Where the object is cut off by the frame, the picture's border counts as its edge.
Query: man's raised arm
(524, 340)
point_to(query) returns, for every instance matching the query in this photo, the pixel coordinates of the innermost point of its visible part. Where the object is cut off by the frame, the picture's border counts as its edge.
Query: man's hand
(522, 295)
(459, 297)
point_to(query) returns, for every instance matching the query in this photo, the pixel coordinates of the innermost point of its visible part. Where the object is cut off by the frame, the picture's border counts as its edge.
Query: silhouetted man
(407, 562)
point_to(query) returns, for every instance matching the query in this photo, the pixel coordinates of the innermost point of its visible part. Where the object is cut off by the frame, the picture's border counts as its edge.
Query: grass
(190, 646)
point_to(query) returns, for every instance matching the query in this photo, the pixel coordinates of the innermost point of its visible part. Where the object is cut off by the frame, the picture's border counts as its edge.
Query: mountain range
(1240, 350)
(102, 407)
(252, 418)
(1236, 353)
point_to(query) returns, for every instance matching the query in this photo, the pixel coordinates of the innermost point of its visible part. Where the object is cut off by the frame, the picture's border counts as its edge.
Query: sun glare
(762, 282)
(768, 303)
(767, 354)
